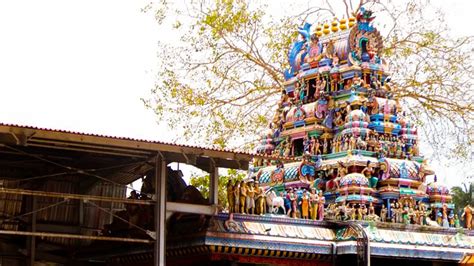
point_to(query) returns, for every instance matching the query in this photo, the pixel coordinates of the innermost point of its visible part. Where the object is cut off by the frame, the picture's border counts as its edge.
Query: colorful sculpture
(356, 152)
(467, 217)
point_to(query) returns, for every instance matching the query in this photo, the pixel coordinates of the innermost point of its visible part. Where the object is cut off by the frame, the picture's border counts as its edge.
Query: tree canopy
(219, 82)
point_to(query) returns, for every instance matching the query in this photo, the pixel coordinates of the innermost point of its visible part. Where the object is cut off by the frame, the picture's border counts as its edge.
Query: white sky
(84, 65)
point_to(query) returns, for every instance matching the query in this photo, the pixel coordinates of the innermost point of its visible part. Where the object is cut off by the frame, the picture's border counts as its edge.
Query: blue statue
(403, 170)
(364, 18)
(298, 50)
(319, 161)
(329, 118)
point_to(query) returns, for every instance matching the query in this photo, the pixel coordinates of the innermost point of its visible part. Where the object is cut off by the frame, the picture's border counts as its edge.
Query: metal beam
(191, 208)
(73, 196)
(213, 183)
(45, 234)
(33, 229)
(160, 210)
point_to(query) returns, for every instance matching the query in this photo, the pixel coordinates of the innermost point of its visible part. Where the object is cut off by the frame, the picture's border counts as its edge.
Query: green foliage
(202, 184)
(462, 196)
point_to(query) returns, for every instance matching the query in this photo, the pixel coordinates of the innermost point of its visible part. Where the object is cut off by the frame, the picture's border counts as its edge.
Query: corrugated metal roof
(150, 141)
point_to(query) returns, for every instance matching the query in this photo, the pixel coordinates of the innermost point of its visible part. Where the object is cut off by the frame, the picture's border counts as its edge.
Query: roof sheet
(208, 148)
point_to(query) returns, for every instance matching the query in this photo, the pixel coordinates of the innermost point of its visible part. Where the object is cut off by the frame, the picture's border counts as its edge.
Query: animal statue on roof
(364, 18)
(298, 50)
(361, 144)
(275, 202)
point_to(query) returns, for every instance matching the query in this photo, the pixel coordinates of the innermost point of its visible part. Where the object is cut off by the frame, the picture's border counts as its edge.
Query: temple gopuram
(357, 191)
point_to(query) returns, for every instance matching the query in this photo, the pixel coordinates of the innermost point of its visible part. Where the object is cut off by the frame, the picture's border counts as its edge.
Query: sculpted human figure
(237, 196)
(314, 50)
(293, 199)
(250, 199)
(317, 88)
(341, 172)
(243, 197)
(322, 200)
(457, 224)
(414, 149)
(314, 201)
(369, 172)
(357, 82)
(383, 214)
(353, 213)
(338, 144)
(352, 143)
(296, 92)
(313, 143)
(306, 145)
(467, 216)
(325, 146)
(422, 171)
(439, 216)
(371, 209)
(405, 214)
(373, 106)
(321, 85)
(259, 199)
(304, 205)
(359, 213)
(316, 147)
(445, 216)
(338, 121)
(287, 149)
(364, 212)
(398, 212)
(451, 218)
(230, 196)
(345, 144)
(422, 217)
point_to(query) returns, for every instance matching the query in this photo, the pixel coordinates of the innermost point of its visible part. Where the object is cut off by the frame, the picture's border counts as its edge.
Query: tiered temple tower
(340, 115)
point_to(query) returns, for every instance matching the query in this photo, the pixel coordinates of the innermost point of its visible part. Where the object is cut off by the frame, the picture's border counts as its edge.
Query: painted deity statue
(467, 217)
(316, 147)
(369, 172)
(293, 199)
(314, 50)
(322, 200)
(304, 205)
(371, 209)
(243, 197)
(278, 175)
(237, 196)
(352, 212)
(314, 202)
(341, 172)
(445, 222)
(250, 199)
(230, 196)
(260, 201)
(383, 214)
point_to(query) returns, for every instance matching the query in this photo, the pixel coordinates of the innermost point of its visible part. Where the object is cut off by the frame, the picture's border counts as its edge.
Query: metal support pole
(214, 183)
(33, 229)
(160, 210)
(72, 236)
(81, 213)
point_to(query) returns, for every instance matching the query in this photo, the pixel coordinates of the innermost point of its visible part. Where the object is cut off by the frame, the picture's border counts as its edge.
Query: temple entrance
(311, 90)
(298, 147)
